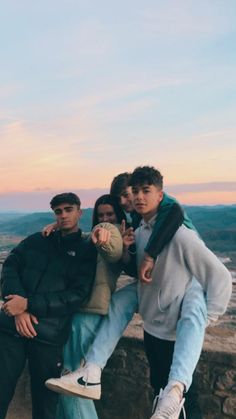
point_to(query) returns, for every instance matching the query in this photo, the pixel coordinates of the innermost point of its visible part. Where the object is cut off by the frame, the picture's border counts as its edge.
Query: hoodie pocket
(160, 303)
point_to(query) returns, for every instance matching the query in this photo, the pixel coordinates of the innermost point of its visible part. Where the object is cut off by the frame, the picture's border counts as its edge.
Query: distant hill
(220, 217)
(216, 224)
(23, 225)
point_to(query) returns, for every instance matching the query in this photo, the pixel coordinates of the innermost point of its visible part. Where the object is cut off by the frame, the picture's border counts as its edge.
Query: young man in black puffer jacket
(44, 281)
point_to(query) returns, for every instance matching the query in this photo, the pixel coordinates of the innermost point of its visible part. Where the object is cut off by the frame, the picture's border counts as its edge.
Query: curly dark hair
(146, 175)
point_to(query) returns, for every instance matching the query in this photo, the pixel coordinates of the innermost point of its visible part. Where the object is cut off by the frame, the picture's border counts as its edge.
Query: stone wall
(127, 395)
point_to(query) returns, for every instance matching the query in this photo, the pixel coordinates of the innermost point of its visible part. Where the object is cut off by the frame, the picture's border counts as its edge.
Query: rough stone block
(229, 407)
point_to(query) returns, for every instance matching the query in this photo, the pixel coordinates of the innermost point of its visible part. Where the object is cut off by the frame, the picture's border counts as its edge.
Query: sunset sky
(89, 89)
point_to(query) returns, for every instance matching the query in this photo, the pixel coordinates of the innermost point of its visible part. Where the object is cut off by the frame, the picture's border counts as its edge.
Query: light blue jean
(189, 335)
(94, 338)
(83, 332)
(124, 303)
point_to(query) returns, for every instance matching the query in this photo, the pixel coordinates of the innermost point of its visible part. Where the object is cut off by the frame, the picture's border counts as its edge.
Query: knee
(195, 311)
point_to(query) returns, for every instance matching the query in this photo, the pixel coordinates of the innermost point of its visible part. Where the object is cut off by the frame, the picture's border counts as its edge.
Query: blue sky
(89, 89)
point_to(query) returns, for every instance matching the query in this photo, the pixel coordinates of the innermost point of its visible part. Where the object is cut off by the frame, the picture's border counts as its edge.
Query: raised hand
(48, 229)
(128, 237)
(100, 236)
(122, 227)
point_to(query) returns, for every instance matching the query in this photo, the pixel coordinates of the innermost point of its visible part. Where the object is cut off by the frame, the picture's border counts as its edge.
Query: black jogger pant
(159, 354)
(44, 361)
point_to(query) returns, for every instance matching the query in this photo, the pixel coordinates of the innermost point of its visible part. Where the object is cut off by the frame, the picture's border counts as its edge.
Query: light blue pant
(189, 335)
(124, 303)
(97, 336)
(84, 329)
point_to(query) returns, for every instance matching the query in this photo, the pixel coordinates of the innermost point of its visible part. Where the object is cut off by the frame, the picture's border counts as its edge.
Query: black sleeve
(131, 268)
(58, 304)
(11, 277)
(170, 218)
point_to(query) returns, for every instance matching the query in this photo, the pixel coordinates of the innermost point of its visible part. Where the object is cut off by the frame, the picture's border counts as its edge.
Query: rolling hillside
(216, 225)
(23, 225)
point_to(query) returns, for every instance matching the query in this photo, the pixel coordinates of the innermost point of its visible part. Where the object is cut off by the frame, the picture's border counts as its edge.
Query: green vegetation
(14, 228)
(216, 225)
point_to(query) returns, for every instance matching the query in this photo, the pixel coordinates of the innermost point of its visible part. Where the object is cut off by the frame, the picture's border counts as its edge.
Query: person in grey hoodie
(185, 262)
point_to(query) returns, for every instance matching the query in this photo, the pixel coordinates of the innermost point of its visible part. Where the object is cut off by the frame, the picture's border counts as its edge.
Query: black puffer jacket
(56, 274)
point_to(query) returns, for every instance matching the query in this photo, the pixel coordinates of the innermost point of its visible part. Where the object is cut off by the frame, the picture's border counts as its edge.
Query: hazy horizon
(187, 194)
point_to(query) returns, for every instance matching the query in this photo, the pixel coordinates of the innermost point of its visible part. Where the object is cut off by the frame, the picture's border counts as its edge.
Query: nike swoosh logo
(86, 384)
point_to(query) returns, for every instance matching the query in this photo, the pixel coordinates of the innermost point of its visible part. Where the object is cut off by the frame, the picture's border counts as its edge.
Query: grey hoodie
(185, 257)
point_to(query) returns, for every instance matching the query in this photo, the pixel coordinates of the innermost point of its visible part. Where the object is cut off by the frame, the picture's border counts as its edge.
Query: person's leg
(189, 335)
(86, 381)
(159, 354)
(44, 361)
(187, 350)
(189, 340)
(124, 303)
(12, 362)
(83, 332)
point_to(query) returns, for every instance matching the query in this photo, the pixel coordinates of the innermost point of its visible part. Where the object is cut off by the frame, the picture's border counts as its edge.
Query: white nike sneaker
(84, 382)
(168, 404)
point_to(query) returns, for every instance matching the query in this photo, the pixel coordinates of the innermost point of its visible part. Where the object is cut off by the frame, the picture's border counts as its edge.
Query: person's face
(67, 216)
(126, 199)
(106, 213)
(146, 200)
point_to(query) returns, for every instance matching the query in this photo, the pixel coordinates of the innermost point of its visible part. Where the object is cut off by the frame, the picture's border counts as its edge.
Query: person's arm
(110, 245)
(48, 229)
(11, 276)
(209, 271)
(128, 260)
(169, 219)
(54, 304)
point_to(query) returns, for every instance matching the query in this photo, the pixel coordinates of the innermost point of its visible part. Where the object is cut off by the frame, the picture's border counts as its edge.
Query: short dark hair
(65, 197)
(109, 200)
(146, 175)
(119, 184)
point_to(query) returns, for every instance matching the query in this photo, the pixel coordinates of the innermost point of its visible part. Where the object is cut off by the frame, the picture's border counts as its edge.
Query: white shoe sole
(74, 390)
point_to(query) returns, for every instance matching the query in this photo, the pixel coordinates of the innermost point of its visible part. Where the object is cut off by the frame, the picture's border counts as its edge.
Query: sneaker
(168, 404)
(84, 382)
